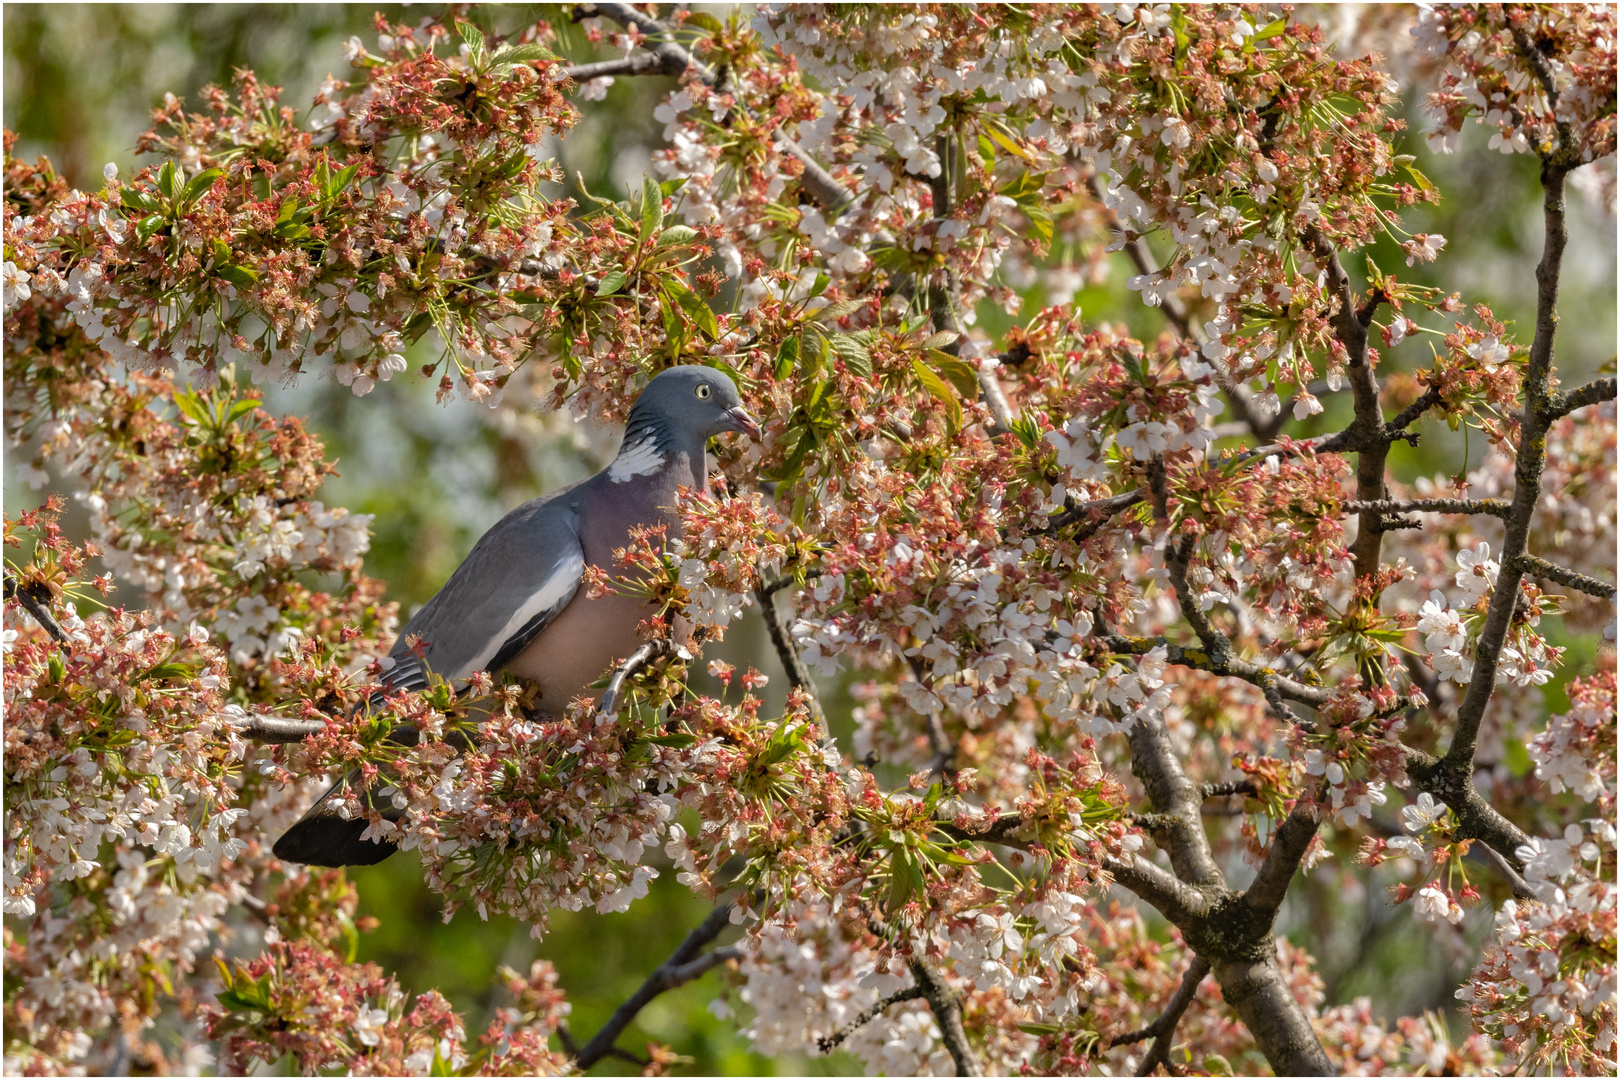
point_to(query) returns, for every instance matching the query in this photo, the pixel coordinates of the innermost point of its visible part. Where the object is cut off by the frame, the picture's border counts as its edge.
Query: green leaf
(168, 182)
(199, 184)
(345, 178)
(148, 226)
(963, 375)
(191, 406)
(833, 312)
(1271, 30)
(1040, 221)
(987, 150)
(852, 352)
(1006, 141)
(694, 307)
(652, 208)
(611, 282)
(140, 200)
(940, 389)
(940, 340)
(522, 54)
(240, 276)
(676, 234)
(819, 286)
(787, 355)
(704, 21)
(241, 409)
(474, 38)
(1423, 182)
(677, 740)
(674, 330)
(900, 882)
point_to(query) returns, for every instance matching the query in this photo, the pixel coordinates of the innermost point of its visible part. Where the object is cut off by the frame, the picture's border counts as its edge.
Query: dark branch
(1265, 894)
(273, 729)
(35, 607)
(1541, 568)
(948, 1014)
(818, 182)
(1396, 428)
(1288, 688)
(1494, 507)
(642, 63)
(1163, 1030)
(829, 1043)
(1228, 788)
(1562, 404)
(1177, 901)
(683, 965)
(1452, 783)
(1530, 463)
(798, 676)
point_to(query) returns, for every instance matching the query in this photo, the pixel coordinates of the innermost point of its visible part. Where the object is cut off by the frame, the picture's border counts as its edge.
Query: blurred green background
(80, 81)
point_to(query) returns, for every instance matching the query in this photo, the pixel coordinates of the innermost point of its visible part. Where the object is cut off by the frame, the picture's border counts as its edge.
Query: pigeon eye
(702, 390)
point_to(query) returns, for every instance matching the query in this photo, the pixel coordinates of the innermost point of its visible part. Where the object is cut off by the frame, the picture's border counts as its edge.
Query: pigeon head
(689, 401)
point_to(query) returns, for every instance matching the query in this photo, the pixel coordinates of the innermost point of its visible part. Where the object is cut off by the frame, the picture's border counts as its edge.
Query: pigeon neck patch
(640, 458)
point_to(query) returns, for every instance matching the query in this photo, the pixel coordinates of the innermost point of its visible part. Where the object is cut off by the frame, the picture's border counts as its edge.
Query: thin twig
(1163, 1030)
(948, 1014)
(829, 1043)
(1531, 564)
(1493, 507)
(36, 608)
(798, 675)
(817, 182)
(683, 965)
(273, 729)
(1227, 788)
(1565, 403)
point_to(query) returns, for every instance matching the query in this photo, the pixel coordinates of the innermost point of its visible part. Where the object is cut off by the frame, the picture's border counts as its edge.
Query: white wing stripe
(562, 581)
(642, 458)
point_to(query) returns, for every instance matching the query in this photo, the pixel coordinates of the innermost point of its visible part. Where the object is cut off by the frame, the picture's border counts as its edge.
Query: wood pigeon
(514, 603)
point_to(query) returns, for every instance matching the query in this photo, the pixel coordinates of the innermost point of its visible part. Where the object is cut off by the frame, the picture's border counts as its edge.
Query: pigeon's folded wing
(516, 581)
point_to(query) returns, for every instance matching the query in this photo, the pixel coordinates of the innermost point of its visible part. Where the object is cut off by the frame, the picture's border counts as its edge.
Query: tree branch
(1408, 416)
(1452, 783)
(1527, 470)
(1541, 568)
(1564, 403)
(948, 1012)
(641, 63)
(1265, 1003)
(1228, 788)
(273, 729)
(1249, 672)
(829, 1043)
(818, 183)
(1293, 837)
(1176, 900)
(683, 965)
(35, 607)
(1163, 1030)
(1493, 507)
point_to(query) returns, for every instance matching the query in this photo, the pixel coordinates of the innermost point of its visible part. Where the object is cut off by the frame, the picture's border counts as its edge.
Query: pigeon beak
(744, 423)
